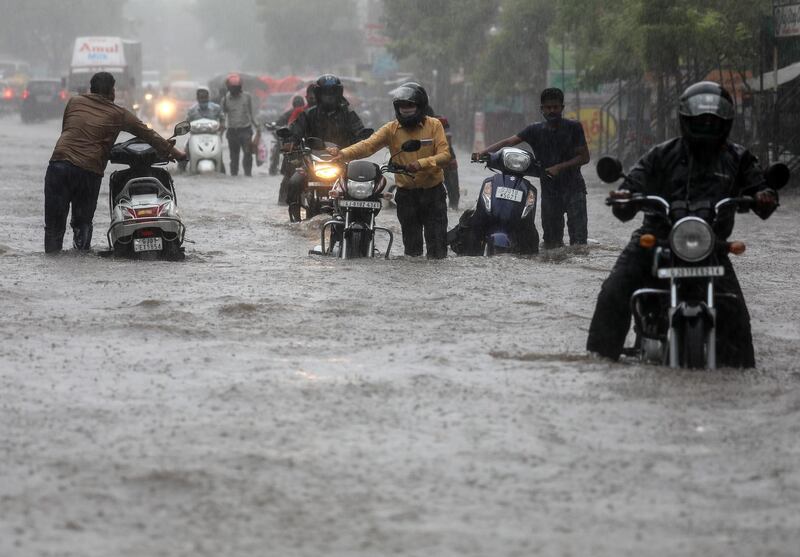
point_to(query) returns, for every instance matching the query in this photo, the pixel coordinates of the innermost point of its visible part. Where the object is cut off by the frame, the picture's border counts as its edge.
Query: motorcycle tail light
(148, 212)
(25, 94)
(146, 233)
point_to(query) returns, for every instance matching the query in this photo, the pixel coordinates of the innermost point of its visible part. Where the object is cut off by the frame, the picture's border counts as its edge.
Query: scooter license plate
(147, 244)
(509, 193)
(353, 204)
(691, 272)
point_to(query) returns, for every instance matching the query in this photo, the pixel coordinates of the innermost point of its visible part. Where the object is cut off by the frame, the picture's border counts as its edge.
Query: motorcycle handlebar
(744, 203)
(643, 201)
(395, 169)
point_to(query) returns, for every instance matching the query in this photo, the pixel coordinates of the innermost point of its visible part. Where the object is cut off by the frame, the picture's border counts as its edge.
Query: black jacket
(340, 127)
(665, 171)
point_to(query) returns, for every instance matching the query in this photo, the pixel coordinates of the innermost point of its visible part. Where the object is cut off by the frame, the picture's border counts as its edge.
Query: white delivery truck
(120, 57)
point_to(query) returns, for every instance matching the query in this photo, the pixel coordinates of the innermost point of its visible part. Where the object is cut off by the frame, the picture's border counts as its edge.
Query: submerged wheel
(354, 244)
(122, 250)
(694, 344)
(172, 251)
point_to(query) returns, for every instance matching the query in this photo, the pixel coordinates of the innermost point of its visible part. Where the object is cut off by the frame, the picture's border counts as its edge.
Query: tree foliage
(500, 44)
(618, 39)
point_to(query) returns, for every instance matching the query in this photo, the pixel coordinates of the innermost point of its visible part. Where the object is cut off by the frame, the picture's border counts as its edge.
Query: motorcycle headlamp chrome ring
(691, 239)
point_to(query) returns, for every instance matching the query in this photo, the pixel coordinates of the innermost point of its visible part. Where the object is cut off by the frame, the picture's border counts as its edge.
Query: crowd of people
(701, 165)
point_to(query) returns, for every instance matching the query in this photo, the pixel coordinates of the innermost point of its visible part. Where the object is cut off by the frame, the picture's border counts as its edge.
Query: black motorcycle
(675, 322)
(315, 171)
(358, 198)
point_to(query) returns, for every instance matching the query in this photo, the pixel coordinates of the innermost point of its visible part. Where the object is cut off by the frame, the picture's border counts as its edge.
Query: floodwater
(255, 400)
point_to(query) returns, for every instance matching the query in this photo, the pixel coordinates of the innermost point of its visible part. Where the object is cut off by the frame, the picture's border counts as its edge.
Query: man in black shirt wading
(560, 145)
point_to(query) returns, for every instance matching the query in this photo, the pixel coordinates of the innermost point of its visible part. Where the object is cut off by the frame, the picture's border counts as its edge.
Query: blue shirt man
(560, 145)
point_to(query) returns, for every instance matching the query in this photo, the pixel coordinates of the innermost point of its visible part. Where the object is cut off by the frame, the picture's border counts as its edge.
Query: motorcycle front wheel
(694, 344)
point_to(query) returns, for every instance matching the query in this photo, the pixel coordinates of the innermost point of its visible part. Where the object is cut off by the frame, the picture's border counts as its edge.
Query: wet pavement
(255, 400)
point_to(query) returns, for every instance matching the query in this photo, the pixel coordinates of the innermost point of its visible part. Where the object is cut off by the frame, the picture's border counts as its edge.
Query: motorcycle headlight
(516, 160)
(326, 172)
(166, 109)
(486, 194)
(692, 239)
(359, 190)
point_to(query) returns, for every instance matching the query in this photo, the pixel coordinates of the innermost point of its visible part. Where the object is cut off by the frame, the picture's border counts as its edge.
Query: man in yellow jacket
(421, 198)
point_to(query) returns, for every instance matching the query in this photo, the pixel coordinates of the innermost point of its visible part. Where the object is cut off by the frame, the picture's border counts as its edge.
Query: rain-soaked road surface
(253, 400)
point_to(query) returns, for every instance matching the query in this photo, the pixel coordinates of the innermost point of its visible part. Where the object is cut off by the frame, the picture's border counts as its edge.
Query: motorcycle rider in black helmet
(330, 119)
(421, 198)
(699, 166)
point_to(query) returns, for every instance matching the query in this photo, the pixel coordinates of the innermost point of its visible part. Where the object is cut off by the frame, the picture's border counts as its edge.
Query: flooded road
(254, 400)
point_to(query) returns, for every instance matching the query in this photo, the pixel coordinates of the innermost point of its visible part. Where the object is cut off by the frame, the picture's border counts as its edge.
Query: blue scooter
(503, 218)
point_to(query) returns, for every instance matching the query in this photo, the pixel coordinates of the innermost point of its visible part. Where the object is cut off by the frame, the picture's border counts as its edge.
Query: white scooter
(204, 147)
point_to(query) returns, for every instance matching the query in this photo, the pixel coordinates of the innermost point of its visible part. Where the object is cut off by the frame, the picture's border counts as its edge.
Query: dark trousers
(555, 204)
(633, 270)
(423, 211)
(240, 139)
(67, 185)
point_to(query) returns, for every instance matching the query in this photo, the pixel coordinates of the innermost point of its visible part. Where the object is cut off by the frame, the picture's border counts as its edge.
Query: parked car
(43, 99)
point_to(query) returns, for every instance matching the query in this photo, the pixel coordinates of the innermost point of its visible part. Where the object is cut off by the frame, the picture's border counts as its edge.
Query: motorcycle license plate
(509, 193)
(147, 244)
(353, 204)
(691, 272)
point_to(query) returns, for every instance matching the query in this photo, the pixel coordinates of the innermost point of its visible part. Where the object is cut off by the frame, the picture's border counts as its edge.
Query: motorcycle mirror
(777, 175)
(315, 143)
(283, 133)
(609, 169)
(364, 133)
(411, 145)
(181, 128)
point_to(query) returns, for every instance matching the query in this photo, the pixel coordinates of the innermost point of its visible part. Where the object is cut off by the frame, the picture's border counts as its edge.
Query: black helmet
(298, 101)
(329, 92)
(706, 113)
(414, 93)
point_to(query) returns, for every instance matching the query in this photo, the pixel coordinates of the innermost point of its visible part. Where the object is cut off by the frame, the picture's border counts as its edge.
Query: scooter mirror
(181, 128)
(364, 133)
(283, 133)
(411, 145)
(777, 175)
(609, 169)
